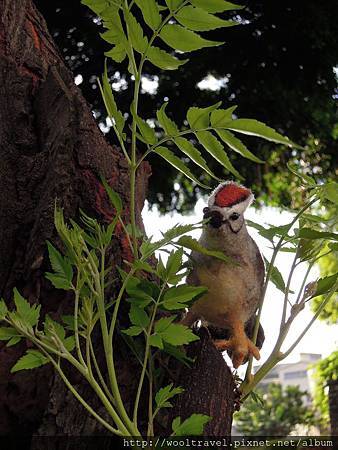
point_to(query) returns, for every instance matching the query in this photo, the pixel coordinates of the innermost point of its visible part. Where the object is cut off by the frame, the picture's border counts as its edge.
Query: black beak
(216, 218)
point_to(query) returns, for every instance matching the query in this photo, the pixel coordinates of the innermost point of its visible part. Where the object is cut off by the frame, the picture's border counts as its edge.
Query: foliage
(328, 264)
(279, 411)
(158, 39)
(277, 64)
(325, 371)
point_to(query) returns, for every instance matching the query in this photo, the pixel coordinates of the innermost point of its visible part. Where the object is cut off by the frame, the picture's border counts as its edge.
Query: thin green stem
(320, 309)
(287, 289)
(76, 325)
(248, 375)
(146, 356)
(98, 371)
(150, 431)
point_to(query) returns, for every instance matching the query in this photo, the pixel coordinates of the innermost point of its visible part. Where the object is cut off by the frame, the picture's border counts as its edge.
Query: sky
(321, 338)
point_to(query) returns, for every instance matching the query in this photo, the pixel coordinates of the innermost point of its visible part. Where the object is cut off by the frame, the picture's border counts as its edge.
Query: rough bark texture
(209, 387)
(333, 405)
(51, 149)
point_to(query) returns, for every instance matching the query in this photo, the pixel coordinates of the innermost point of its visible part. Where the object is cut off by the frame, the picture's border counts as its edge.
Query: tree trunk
(52, 150)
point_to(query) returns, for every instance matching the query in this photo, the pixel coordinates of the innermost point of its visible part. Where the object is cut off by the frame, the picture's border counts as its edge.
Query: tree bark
(52, 150)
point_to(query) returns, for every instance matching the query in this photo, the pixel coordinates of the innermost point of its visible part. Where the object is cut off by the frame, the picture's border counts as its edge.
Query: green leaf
(180, 38)
(60, 264)
(255, 128)
(58, 281)
(95, 5)
(51, 327)
(147, 132)
(29, 314)
(7, 333)
(156, 341)
(330, 192)
(3, 309)
(177, 297)
(147, 247)
(165, 394)
(31, 360)
(177, 334)
(163, 323)
(138, 317)
(114, 197)
(169, 156)
(173, 4)
(193, 426)
(215, 148)
(150, 13)
(13, 341)
(276, 277)
(221, 117)
(117, 53)
(235, 144)
(135, 33)
(198, 19)
(174, 262)
(325, 284)
(193, 244)
(308, 233)
(306, 180)
(167, 124)
(108, 98)
(195, 155)
(199, 117)
(133, 331)
(164, 60)
(215, 6)
(178, 353)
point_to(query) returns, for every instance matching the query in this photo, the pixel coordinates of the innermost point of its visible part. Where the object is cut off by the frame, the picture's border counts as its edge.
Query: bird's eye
(234, 216)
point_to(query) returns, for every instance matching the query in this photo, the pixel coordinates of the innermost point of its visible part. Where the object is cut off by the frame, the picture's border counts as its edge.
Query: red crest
(231, 194)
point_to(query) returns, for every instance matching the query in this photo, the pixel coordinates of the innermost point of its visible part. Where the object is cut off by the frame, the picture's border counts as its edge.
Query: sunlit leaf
(193, 244)
(135, 33)
(221, 117)
(114, 114)
(150, 13)
(165, 394)
(28, 313)
(138, 317)
(180, 38)
(198, 19)
(193, 426)
(178, 297)
(308, 233)
(3, 309)
(173, 4)
(198, 118)
(193, 153)
(215, 148)
(235, 144)
(255, 128)
(325, 284)
(117, 53)
(176, 162)
(133, 331)
(215, 6)
(167, 124)
(31, 360)
(164, 60)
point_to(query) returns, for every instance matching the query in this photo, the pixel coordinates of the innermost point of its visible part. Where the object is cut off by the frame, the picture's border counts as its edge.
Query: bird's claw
(240, 349)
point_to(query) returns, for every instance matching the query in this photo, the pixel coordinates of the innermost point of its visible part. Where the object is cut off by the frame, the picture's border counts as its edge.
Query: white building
(294, 374)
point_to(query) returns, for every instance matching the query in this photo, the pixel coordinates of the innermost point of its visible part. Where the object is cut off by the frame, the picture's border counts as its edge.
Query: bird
(234, 288)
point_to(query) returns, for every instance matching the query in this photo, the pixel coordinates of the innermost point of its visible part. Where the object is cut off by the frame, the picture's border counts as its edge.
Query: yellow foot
(239, 348)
